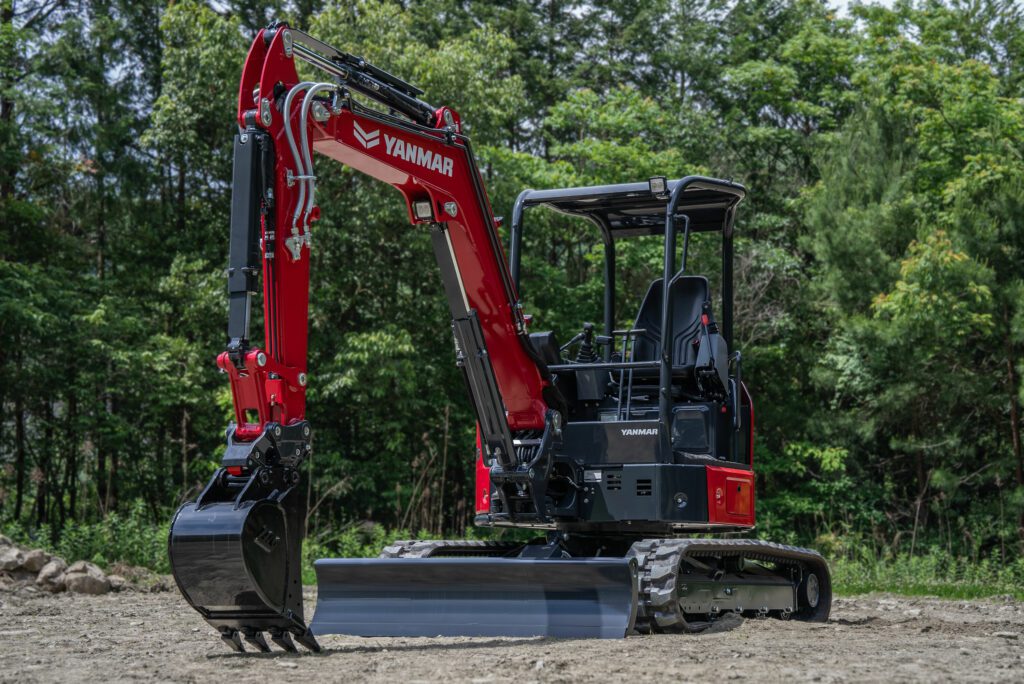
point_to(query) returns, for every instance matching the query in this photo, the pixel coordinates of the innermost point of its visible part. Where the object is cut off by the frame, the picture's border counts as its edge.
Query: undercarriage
(682, 585)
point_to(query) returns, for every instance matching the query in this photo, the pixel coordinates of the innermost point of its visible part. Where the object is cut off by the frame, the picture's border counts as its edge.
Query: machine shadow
(402, 648)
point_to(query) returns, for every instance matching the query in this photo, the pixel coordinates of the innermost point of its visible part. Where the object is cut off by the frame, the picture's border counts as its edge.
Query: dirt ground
(156, 636)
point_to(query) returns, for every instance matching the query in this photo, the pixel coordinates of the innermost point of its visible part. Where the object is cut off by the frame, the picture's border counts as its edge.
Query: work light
(423, 210)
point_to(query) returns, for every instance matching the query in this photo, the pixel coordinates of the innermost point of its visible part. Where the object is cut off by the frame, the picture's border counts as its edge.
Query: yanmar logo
(367, 140)
(396, 147)
(639, 432)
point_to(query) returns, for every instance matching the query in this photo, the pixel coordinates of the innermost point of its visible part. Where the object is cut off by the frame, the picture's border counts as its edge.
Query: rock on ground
(84, 577)
(11, 558)
(141, 579)
(51, 576)
(35, 560)
(23, 570)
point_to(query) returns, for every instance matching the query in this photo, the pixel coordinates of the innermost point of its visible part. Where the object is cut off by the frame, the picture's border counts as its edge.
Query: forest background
(880, 299)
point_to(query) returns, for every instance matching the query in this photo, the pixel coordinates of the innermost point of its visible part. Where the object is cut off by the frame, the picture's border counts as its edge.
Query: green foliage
(934, 573)
(614, 138)
(349, 542)
(131, 538)
(879, 295)
(192, 115)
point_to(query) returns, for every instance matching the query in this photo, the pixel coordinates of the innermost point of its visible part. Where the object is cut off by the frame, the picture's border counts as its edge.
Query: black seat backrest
(689, 293)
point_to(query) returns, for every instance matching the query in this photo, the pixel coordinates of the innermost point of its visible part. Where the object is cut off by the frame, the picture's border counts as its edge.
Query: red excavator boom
(427, 159)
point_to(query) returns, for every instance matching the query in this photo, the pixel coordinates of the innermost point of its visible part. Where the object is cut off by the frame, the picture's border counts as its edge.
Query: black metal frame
(712, 207)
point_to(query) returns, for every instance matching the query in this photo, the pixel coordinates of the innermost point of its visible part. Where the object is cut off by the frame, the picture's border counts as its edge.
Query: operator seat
(693, 356)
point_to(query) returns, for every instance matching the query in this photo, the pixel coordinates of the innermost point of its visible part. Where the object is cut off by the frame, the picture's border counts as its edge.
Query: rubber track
(659, 560)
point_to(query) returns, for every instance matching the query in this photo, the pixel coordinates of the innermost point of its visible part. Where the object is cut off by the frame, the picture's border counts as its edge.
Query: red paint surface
(483, 270)
(730, 496)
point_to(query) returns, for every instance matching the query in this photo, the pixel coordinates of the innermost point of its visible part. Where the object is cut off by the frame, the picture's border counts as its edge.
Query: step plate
(429, 597)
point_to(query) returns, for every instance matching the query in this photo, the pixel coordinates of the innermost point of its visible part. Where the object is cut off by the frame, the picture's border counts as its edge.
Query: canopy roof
(629, 209)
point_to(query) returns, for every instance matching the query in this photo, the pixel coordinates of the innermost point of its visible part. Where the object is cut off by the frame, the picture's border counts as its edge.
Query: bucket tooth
(307, 639)
(256, 638)
(233, 639)
(283, 639)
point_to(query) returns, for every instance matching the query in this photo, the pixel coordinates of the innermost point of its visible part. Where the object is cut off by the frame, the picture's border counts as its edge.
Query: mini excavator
(623, 449)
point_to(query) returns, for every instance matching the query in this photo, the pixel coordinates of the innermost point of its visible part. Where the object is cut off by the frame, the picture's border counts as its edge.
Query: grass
(132, 540)
(352, 542)
(129, 539)
(935, 573)
(365, 541)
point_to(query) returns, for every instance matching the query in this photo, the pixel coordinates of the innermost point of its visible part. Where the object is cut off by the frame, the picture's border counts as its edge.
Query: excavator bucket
(581, 598)
(236, 561)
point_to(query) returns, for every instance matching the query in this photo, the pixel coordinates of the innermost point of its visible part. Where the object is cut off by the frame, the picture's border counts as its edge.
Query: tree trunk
(44, 460)
(111, 503)
(6, 106)
(111, 498)
(1013, 387)
(70, 465)
(184, 449)
(19, 456)
(101, 477)
(181, 197)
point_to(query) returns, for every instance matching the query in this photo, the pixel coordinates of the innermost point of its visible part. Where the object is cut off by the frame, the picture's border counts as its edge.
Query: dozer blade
(583, 598)
(236, 561)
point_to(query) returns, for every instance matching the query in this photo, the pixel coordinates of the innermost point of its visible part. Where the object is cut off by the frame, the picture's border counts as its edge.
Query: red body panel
(731, 490)
(730, 496)
(449, 179)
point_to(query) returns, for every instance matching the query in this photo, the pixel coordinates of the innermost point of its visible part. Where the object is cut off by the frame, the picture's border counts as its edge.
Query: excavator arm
(421, 151)
(235, 550)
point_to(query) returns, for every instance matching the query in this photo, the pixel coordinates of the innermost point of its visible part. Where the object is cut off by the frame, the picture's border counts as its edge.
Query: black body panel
(651, 492)
(632, 441)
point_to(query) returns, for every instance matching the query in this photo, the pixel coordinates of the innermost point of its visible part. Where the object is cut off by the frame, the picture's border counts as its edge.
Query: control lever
(588, 339)
(586, 353)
